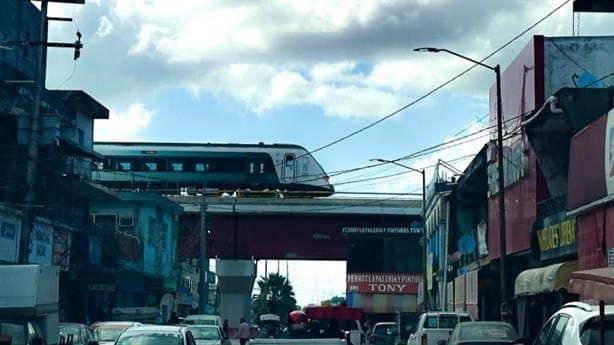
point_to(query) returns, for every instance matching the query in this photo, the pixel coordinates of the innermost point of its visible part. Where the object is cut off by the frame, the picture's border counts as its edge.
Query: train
(178, 167)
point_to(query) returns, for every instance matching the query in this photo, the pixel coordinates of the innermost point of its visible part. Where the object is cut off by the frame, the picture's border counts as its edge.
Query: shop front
(543, 288)
(539, 292)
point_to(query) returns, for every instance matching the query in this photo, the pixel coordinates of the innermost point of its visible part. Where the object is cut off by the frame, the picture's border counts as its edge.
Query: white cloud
(105, 27)
(123, 126)
(356, 50)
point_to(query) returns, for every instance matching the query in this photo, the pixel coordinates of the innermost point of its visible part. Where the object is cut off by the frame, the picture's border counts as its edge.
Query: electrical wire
(353, 133)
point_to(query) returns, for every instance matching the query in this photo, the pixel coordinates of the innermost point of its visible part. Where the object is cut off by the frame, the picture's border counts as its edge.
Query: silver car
(483, 333)
(156, 335)
(209, 335)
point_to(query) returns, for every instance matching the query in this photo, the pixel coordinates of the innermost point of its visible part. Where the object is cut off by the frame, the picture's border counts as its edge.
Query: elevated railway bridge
(371, 235)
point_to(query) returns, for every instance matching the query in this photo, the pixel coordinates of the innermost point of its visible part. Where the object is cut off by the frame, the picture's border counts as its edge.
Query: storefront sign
(10, 231)
(383, 283)
(556, 236)
(42, 244)
(368, 230)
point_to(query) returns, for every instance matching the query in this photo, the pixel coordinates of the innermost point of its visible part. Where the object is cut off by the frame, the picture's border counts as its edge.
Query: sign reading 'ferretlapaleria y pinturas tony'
(383, 283)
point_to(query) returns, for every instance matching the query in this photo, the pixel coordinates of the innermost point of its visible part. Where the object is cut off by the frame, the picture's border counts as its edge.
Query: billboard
(591, 163)
(10, 232)
(383, 283)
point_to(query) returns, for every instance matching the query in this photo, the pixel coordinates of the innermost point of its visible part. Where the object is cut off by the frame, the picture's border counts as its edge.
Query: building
(52, 223)
(137, 239)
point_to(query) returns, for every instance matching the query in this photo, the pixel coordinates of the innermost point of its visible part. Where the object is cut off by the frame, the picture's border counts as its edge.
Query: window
(448, 321)
(431, 322)
(163, 234)
(201, 167)
(542, 337)
(557, 331)
(261, 168)
(176, 166)
(124, 165)
(590, 333)
(252, 168)
(150, 166)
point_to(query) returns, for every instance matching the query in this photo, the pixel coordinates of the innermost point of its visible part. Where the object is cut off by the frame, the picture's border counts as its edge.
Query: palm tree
(275, 296)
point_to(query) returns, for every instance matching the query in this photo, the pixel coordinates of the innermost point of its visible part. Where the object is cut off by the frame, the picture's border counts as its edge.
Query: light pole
(504, 308)
(424, 285)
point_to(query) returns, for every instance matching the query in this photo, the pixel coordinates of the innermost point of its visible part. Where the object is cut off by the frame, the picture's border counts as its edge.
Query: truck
(328, 325)
(29, 304)
(436, 326)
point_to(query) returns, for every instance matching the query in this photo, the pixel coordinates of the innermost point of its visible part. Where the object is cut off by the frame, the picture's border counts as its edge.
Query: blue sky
(301, 72)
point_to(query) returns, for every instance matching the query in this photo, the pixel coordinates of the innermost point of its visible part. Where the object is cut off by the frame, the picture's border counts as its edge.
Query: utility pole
(203, 296)
(30, 195)
(40, 73)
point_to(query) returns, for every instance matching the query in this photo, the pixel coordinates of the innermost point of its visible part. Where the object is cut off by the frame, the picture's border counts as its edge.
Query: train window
(262, 168)
(124, 165)
(289, 161)
(150, 166)
(251, 168)
(98, 165)
(305, 166)
(201, 167)
(176, 166)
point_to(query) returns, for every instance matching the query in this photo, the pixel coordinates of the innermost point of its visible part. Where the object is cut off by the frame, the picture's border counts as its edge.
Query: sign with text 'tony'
(383, 283)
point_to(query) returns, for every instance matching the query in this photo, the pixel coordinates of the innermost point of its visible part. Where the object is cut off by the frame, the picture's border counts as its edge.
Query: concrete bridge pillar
(235, 281)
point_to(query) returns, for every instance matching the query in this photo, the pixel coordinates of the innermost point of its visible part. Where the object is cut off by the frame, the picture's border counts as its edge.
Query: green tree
(275, 296)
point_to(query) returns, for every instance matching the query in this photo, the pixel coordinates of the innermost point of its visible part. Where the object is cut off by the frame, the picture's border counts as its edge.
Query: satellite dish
(466, 244)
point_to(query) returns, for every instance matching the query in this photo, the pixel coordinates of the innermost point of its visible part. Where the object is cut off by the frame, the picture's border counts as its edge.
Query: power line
(351, 134)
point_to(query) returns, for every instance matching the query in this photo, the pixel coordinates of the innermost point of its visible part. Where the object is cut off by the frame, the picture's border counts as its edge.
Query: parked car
(209, 335)
(106, 332)
(576, 323)
(384, 333)
(435, 326)
(202, 319)
(482, 333)
(80, 333)
(156, 335)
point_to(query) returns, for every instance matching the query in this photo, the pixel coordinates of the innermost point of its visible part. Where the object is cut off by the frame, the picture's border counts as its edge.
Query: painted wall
(154, 232)
(545, 65)
(522, 92)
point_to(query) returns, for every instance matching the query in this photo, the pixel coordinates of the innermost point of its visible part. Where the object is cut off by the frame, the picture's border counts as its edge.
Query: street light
(504, 308)
(424, 286)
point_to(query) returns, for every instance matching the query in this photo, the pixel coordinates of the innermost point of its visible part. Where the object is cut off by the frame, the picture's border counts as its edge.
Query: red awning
(595, 283)
(337, 313)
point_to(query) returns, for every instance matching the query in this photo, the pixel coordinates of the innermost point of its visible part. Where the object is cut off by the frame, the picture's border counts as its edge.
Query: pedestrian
(226, 328)
(243, 333)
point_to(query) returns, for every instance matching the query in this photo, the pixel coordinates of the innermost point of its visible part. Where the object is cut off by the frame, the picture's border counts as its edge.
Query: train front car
(171, 168)
(299, 172)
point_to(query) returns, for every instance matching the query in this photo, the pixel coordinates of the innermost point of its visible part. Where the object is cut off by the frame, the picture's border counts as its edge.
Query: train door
(289, 167)
(255, 170)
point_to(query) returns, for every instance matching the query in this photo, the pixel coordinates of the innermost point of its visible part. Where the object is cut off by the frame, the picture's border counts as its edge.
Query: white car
(576, 323)
(156, 335)
(209, 335)
(202, 319)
